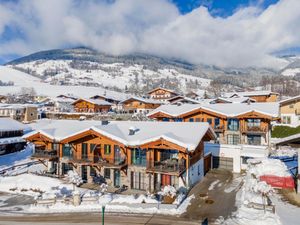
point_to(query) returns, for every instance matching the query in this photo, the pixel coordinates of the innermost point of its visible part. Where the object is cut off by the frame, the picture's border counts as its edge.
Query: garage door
(223, 163)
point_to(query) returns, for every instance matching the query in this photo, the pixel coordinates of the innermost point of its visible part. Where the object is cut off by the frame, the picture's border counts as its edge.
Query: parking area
(214, 196)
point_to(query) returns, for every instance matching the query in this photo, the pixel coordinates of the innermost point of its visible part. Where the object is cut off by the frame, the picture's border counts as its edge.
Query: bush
(284, 131)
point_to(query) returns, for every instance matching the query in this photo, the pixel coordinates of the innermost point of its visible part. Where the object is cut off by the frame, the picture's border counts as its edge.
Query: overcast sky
(235, 33)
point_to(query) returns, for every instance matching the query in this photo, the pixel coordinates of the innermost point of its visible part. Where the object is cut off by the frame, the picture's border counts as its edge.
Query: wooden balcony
(254, 129)
(45, 154)
(170, 166)
(219, 128)
(99, 161)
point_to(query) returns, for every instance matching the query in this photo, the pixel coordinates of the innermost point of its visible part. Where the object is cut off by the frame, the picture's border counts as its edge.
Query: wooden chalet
(258, 96)
(139, 105)
(138, 155)
(91, 105)
(162, 94)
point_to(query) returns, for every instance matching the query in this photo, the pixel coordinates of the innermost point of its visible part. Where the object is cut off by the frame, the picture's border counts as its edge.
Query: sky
(227, 33)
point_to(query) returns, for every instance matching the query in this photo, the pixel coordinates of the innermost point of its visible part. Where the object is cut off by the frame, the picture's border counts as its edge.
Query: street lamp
(103, 211)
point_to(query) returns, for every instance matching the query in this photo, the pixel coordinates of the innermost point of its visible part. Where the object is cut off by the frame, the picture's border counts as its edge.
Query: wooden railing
(219, 128)
(92, 159)
(166, 166)
(254, 129)
(45, 154)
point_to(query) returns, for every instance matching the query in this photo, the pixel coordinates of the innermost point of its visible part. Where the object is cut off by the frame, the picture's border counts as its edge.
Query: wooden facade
(161, 94)
(136, 105)
(95, 156)
(251, 128)
(90, 106)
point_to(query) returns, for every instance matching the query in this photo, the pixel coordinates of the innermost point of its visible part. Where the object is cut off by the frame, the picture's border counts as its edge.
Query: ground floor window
(254, 140)
(107, 173)
(92, 171)
(66, 167)
(233, 139)
(138, 180)
(286, 119)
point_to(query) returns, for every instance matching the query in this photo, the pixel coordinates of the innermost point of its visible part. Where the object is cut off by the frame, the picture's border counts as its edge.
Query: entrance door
(117, 182)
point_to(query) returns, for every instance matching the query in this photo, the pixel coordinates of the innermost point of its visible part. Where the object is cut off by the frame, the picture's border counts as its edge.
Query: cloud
(247, 38)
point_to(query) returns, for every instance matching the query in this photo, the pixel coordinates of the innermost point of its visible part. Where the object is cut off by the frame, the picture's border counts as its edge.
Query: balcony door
(117, 152)
(84, 151)
(67, 150)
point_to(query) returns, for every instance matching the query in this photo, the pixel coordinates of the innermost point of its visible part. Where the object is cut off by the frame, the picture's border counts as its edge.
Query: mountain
(133, 73)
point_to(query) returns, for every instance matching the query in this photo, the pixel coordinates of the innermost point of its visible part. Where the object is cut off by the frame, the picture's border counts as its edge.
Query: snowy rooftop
(230, 110)
(288, 100)
(186, 135)
(165, 89)
(93, 101)
(235, 99)
(15, 106)
(145, 100)
(8, 124)
(247, 93)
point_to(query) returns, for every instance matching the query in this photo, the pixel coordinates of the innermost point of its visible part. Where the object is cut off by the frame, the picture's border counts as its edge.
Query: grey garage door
(223, 163)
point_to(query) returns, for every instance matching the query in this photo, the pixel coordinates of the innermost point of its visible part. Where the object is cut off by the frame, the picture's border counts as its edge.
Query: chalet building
(162, 94)
(11, 132)
(199, 94)
(232, 100)
(182, 100)
(233, 123)
(140, 155)
(140, 105)
(258, 96)
(290, 111)
(20, 112)
(91, 105)
(114, 100)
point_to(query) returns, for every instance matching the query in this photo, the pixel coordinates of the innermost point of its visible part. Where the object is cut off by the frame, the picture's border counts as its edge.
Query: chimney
(132, 130)
(104, 122)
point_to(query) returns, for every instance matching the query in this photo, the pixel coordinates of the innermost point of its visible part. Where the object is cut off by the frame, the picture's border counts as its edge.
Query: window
(92, 147)
(217, 123)
(106, 173)
(138, 157)
(253, 122)
(107, 149)
(286, 120)
(84, 150)
(138, 181)
(55, 146)
(198, 120)
(191, 119)
(233, 124)
(166, 119)
(209, 120)
(254, 139)
(67, 152)
(233, 139)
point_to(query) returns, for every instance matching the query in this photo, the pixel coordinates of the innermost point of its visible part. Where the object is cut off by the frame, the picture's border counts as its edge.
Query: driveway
(214, 196)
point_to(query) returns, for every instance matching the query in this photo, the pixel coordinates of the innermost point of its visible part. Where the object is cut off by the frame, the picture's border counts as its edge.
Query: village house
(91, 105)
(290, 111)
(162, 94)
(139, 155)
(11, 132)
(182, 100)
(20, 112)
(236, 123)
(232, 100)
(115, 100)
(258, 96)
(139, 105)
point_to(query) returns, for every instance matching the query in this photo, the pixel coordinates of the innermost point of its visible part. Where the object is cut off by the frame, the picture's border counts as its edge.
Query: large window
(191, 119)
(138, 180)
(67, 151)
(107, 149)
(286, 119)
(233, 139)
(254, 139)
(106, 173)
(138, 157)
(169, 154)
(253, 122)
(209, 120)
(217, 123)
(233, 124)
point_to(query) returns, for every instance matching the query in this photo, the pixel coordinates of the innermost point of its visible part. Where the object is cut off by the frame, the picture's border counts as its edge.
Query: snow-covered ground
(16, 158)
(107, 75)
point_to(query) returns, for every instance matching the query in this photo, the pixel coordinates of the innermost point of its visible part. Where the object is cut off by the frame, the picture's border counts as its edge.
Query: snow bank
(268, 167)
(284, 151)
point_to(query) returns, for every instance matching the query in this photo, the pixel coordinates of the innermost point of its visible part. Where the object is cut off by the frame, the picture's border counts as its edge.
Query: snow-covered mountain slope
(22, 79)
(293, 68)
(113, 75)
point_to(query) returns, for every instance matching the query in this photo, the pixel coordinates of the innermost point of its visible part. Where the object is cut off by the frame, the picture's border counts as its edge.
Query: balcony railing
(166, 166)
(45, 154)
(254, 129)
(219, 128)
(98, 160)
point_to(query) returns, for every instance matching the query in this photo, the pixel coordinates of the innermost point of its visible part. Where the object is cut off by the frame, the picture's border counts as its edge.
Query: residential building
(139, 105)
(290, 111)
(162, 94)
(143, 156)
(258, 96)
(114, 100)
(232, 100)
(236, 123)
(11, 132)
(91, 105)
(20, 112)
(182, 99)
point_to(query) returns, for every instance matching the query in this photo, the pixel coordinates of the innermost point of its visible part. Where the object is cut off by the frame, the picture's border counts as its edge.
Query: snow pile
(132, 199)
(34, 185)
(268, 167)
(74, 178)
(284, 151)
(168, 191)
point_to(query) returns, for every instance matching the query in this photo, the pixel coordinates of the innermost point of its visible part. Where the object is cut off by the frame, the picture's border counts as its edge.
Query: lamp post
(103, 211)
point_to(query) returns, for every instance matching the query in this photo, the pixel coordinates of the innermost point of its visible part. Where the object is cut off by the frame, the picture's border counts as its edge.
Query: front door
(117, 182)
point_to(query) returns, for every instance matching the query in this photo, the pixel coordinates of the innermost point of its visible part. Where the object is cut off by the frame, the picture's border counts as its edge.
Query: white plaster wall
(196, 172)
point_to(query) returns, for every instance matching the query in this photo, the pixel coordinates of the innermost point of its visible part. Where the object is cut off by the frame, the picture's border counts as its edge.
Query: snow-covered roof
(8, 124)
(187, 135)
(145, 100)
(229, 110)
(15, 106)
(179, 98)
(248, 93)
(295, 98)
(160, 88)
(93, 101)
(235, 99)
